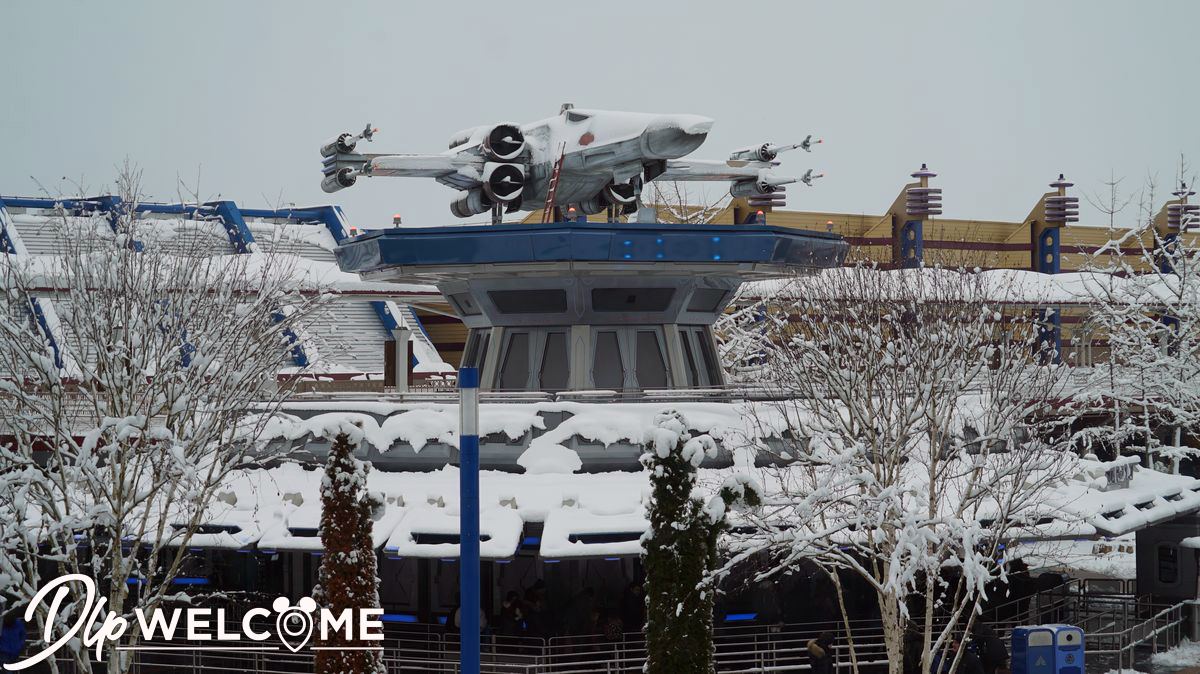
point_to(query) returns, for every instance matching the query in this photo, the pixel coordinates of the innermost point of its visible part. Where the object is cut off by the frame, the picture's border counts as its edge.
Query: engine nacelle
(462, 137)
(503, 142)
(344, 142)
(764, 152)
(469, 203)
(752, 188)
(594, 204)
(339, 180)
(503, 182)
(621, 195)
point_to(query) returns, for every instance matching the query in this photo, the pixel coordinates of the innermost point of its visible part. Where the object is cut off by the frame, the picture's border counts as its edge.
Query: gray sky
(996, 97)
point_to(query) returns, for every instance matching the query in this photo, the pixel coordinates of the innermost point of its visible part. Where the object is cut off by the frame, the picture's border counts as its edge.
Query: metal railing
(1118, 629)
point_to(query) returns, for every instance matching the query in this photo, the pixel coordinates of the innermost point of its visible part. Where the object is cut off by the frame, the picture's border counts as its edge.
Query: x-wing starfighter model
(594, 160)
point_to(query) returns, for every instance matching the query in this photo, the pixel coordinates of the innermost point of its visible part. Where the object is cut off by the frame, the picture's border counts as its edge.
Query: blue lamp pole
(468, 527)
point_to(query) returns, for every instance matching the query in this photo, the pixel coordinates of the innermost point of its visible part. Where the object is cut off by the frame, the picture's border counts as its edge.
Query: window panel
(651, 367)
(530, 301)
(555, 368)
(484, 342)
(631, 299)
(465, 304)
(711, 366)
(706, 299)
(514, 373)
(689, 359)
(607, 369)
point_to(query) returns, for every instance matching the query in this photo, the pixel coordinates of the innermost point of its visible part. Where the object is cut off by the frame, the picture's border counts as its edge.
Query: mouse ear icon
(281, 604)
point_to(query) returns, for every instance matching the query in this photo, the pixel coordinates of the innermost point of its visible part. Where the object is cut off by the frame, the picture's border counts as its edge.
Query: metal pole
(468, 488)
(401, 337)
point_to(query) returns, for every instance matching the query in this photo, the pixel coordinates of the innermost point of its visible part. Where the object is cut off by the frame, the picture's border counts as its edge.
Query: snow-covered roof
(617, 534)
(603, 514)
(350, 337)
(1151, 497)
(1018, 286)
(389, 426)
(499, 529)
(299, 528)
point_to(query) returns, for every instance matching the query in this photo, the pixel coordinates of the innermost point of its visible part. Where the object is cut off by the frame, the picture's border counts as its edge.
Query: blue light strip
(398, 618)
(740, 617)
(190, 581)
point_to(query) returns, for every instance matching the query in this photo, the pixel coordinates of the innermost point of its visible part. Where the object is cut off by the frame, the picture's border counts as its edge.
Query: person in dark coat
(633, 607)
(990, 648)
(512, 617)
(820, 653)
(968, 664)
(12, 637)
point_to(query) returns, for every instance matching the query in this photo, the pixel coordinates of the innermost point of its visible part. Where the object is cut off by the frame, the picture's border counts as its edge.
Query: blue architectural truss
(335, 221)
(232, 219)
(35, 306)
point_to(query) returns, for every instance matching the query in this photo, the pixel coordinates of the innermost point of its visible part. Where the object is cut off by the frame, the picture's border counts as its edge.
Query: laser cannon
(767, 152)
(809, 177)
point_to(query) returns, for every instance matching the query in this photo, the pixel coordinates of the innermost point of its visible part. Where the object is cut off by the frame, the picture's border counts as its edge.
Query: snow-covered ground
(1183, 658)
(1186, 654)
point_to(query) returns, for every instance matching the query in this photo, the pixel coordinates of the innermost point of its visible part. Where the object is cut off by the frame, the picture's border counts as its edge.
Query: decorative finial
(1061, 183)
(923, 172)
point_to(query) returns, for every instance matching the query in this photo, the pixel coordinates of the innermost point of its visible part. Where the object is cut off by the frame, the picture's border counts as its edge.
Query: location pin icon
(294, 624)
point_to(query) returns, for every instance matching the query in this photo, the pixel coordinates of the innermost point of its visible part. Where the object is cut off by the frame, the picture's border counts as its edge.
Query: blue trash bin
(1047, 649)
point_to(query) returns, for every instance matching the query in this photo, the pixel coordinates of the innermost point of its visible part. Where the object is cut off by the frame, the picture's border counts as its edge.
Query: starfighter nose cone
(695, 124)
(673, 136)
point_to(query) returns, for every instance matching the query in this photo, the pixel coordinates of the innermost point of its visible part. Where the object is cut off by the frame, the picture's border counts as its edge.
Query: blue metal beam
(35, 306)
(235, 225)
(335, 221)
(298, 355)
(242, 240)
(112, 206)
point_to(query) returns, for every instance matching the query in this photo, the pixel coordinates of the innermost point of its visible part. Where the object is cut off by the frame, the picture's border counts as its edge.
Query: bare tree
(913, 410)
(1111, 203)
(674, 203)
(128, 412)
(1147, 305)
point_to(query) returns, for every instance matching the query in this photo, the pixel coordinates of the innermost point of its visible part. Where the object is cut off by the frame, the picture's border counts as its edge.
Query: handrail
(763, 648)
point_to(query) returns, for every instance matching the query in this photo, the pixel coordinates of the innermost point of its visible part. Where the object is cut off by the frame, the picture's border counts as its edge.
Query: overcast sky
(997, 98)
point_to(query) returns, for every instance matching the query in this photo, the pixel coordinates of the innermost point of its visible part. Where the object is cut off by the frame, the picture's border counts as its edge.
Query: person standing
(820, 654)
(633, 607)
(12, 637)
(993, 655)
(968, 664)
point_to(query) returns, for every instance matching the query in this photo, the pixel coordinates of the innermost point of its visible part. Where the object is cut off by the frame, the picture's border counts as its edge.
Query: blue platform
(620, 244)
